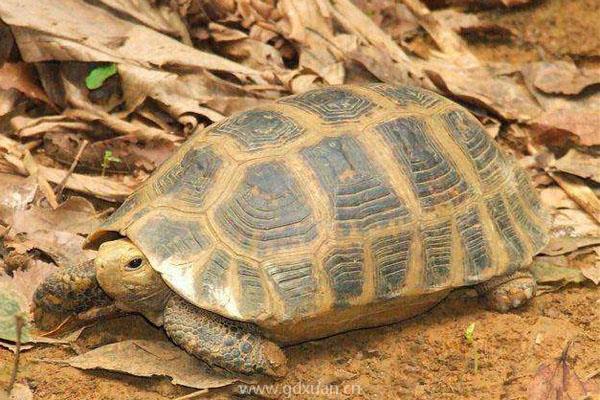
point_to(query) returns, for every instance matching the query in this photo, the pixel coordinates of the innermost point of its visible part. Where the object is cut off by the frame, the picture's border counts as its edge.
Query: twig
(193, 394)
(13, 378)
(61, 185)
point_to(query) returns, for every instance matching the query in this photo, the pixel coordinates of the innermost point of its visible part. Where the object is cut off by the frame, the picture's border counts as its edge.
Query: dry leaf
(158, 17)
(471, 24)
(154, 358)
(557, 381)
(98, 35)
(15, 194)
(20, 392)
(578, 163)
(485, 87)
(560, 77)
(64, 248)
(579, 192)
(549, 273)
(19, 76)
(16, 297)
(562, 116)
(76, 215)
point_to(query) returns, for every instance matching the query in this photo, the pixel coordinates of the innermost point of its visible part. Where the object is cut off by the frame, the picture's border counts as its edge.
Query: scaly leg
(233, 345)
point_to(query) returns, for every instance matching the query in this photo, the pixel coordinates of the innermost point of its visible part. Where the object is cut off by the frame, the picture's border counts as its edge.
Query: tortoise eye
(134, 264)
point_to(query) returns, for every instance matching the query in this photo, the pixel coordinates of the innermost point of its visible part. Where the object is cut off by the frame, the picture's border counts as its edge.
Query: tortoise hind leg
(506, 292)
(233, 345)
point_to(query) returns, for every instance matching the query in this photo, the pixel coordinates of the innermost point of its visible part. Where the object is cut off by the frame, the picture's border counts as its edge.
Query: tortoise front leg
(506, 292)
(233, 345)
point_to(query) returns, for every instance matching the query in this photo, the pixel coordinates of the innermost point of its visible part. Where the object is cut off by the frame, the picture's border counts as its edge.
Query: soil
(427, 357)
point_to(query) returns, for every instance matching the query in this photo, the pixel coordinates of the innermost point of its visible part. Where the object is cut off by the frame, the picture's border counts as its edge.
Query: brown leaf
(560, 77)
(64, 248)
(562, 116)
(578, 163)
(76, 215)
(20, 392)
(19, 76)
(158, 17)
(154, 358)
(471, 24)
(485, 87)
(15, 194)
(98, 35)
(579, 192)
(557, 381)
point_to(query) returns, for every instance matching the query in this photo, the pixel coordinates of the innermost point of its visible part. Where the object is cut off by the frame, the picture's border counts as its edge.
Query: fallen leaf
(547, 273)
(154, 358)
(16, 193)
(20, 392)
(485, 87)
(557, 381)
(19, 76)
(16, 297)
(579, 192)
(98, 35)
(471, 24)
(563, 116)
(560, 77)
(64, 248)
(579, 163)
(76, 215)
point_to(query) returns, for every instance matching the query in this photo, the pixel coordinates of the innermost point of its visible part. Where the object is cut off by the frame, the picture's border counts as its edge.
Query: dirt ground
(423, 358)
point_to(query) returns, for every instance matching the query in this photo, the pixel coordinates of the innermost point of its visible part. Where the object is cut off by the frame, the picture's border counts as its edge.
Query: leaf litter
(166, 71)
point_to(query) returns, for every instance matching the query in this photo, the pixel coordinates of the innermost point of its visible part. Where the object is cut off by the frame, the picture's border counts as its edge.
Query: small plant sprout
(470, 339)
(470, 333)
(107, 159)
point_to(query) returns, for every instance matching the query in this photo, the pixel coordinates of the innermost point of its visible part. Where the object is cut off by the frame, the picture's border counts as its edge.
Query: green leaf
(470, 333)
(98, 75)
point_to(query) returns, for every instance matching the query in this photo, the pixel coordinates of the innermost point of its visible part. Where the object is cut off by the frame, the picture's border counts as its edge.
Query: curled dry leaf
(154, 358)
(19, 76)
(560, 77)
(98, 35)
(472, 25)
(580, 163)
(64, 248)
(76, 215)
(558, 381)
(563, 116)
(131, 155)
(485, 87)
(161, 18)
(577, 189)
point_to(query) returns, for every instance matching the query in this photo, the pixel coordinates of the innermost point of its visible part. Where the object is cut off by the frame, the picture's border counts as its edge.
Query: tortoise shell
(338, 208)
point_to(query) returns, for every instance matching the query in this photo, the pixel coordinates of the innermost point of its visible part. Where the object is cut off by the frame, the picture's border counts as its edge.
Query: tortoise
(340, 208)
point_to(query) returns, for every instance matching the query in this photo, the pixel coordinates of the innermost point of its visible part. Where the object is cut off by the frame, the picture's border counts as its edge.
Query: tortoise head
(120, 274)
(125, 274)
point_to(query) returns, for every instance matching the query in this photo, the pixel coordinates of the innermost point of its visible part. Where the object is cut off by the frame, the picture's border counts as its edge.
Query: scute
(360, 197)
(259, 129)
(332, 105)
(267, 211)
(436, 180)
(334, 203)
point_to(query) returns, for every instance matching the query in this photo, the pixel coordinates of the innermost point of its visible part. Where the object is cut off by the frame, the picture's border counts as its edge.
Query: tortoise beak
(70, 290)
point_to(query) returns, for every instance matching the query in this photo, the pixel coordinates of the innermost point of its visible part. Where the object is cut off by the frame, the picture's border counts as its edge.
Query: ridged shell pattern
(335, 198)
